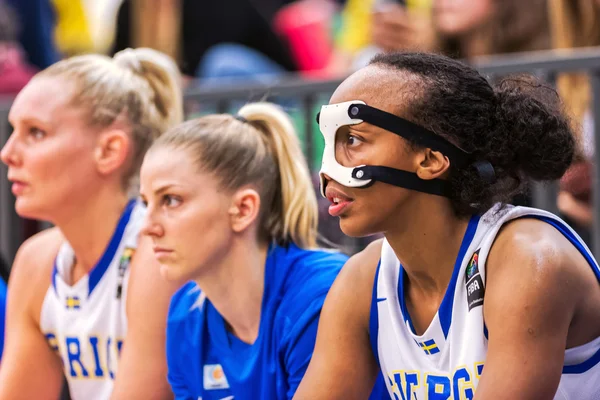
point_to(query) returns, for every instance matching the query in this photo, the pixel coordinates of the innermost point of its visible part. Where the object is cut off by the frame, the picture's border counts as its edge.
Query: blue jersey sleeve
(301, 344)
(176, 379)
(179, 309)
(305, 300)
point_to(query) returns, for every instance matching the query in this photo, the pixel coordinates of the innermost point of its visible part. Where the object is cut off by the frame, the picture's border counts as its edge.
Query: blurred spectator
(470, 28)
(72, 33)
(459, 28)
(193, 29)
(37, 20)
(372, 26)
(576, 23)
(14, 71)
(402, 25)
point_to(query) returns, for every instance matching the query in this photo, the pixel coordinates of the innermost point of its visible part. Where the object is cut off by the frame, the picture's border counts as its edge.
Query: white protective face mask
(332, 117)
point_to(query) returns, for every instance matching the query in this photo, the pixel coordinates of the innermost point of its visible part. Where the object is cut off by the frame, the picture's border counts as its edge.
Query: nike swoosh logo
(381, 299)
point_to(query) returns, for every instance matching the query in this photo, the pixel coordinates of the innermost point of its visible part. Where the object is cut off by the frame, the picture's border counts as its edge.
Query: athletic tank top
(447, 360)
(85, 323)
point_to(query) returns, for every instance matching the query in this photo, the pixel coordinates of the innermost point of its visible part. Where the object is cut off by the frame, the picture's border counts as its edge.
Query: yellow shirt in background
(356, 22)
(84, 26)
(72, 32)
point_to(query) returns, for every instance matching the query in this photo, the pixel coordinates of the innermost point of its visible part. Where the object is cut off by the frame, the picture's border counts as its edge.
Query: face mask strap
(404, 179)
(358, 112)
(408, 130)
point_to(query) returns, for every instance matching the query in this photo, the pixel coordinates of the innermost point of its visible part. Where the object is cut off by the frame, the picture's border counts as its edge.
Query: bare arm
(531, 295)
(30, 369)
(142, 366)
(343, 365)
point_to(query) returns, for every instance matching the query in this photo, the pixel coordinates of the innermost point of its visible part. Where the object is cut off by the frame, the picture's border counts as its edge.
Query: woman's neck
(89, 227)
(235, 286)
(427, 241)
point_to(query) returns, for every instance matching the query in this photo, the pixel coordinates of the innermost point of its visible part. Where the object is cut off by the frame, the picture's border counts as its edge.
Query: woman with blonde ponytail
(231, 208)
(86, 299)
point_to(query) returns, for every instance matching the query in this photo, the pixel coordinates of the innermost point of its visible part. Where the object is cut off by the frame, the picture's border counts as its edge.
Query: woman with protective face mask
(423, 149)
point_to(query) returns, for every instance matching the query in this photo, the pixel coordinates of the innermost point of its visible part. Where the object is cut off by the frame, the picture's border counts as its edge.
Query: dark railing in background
(302, 99)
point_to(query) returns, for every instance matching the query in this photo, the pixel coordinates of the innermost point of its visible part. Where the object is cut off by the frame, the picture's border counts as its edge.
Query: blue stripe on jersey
(374, 316)
(401, 278)
(100, 268)
(445, 310)
(584, 366)
(562, 228)
(54, 273)
(575, 241)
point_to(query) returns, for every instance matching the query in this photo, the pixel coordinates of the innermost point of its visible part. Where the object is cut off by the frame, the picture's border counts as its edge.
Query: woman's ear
(112, 150)
(433, 165)
(245, 209)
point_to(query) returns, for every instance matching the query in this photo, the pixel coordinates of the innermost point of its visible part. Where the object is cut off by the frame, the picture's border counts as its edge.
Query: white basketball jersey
(447, 361)
(86, 323)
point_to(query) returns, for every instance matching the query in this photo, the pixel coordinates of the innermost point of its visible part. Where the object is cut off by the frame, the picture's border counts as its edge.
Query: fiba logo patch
(474, 283)
(127, 254)
(123, 265)
(214, 377)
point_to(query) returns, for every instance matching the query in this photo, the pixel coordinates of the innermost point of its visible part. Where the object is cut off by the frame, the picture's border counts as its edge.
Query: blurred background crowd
(224, 42)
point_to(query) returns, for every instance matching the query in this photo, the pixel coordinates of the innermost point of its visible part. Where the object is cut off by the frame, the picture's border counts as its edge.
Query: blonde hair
(260, 148)
(141, 86)
(575, 23)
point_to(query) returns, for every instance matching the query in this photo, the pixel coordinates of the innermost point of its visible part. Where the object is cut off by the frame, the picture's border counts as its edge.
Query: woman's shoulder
(37, 253)
(545, 253)
(314, 269)
(31, 272)
(318, 258)
(317, 270)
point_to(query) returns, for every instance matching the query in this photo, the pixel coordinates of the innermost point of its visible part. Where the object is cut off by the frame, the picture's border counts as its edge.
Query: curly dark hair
(518, 126)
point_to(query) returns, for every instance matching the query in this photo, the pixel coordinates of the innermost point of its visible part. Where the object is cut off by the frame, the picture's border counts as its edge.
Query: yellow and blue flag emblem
(429, 347)
(73, 303)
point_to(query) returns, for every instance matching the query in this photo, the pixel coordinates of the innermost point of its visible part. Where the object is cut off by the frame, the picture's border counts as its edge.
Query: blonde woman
(84, 296)
(231, 208)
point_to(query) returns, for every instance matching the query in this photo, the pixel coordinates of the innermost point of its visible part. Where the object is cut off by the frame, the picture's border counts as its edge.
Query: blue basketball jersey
(207, 362)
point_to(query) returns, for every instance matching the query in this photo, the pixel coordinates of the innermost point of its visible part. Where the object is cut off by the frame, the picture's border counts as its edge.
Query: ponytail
(298, 216)
(259, 148)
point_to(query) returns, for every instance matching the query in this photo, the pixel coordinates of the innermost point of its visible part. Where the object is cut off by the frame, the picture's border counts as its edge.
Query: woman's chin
(28, 211)
(168, 272)
(174, 273)
(353, 228)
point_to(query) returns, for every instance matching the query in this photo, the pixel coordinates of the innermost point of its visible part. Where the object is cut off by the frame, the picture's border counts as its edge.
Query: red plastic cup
(306, 25)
